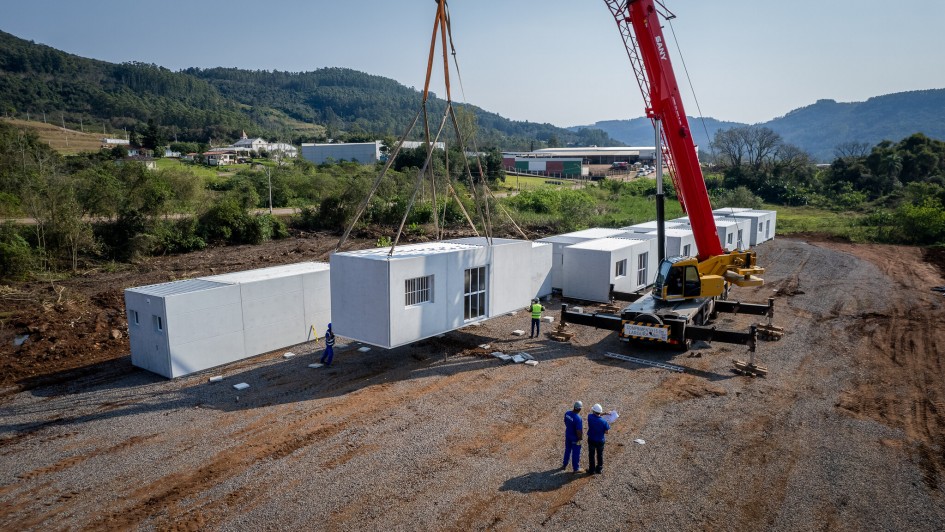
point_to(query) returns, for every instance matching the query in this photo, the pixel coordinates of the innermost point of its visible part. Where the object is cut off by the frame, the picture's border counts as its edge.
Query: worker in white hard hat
(597, 427)
(573, 435)
(536, 310)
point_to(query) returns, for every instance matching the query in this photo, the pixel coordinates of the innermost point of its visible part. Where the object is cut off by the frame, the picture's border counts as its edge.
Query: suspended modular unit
(427, 289)
(559, 242)
(182, 327)
(592, 267)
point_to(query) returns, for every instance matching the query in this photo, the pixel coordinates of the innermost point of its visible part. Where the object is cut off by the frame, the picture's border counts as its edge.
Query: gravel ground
(846, 432)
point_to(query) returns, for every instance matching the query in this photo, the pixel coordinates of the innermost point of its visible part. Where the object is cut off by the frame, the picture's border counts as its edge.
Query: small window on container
(134, 317)
(158, 324)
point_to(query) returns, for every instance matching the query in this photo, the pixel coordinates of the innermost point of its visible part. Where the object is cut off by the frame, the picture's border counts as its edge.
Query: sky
(556, 61)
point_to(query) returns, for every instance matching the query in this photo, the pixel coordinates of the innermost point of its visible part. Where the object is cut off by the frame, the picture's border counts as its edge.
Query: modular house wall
(360, 308)
(199, 328)
(677, 241)
(542, 257)
(215, 320)
(281, 304)
(559, 242)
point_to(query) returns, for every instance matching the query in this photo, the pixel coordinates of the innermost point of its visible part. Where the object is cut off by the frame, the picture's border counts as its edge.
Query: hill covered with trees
(199, 104)
(819, 128)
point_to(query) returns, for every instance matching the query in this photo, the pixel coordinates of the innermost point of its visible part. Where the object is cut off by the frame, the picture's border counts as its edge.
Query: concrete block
(315, 365)
(288, 355)
(218, 378)
(364, 349)
(548, 319)
(531, 362)
(518, 332)
(241, 386)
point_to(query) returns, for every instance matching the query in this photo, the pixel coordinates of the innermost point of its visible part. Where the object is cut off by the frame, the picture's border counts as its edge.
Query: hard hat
(578, 405)
(597, 408)
(535, 300)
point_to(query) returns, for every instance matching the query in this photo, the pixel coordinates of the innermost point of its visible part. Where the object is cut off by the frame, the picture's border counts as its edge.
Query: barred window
(418, 290)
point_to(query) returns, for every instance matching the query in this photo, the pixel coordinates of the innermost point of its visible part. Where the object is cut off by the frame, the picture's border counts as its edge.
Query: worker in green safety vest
(536, 309)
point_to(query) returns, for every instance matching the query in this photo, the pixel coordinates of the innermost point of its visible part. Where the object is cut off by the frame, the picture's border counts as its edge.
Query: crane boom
(639, 24)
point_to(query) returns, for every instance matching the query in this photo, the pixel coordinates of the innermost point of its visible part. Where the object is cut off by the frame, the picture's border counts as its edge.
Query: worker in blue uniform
(329, 347)
(573, 435)
(597, 427)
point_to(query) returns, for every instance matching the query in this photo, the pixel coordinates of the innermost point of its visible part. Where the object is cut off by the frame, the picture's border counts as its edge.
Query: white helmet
(578, 405)
(597, 409)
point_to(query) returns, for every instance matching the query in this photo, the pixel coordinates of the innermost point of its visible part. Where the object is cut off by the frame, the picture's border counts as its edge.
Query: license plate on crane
(645, 331)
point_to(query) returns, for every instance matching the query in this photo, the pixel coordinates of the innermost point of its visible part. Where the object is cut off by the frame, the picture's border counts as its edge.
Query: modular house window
(158, 323)
(135, 316)
(740, 238)
(474, 293)
(730, 237)
(642, 261)
(418, 290)
(620, 268)
(685, 250)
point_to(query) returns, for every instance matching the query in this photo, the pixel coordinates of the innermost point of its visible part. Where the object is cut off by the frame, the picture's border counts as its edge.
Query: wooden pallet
(610, 309)
(752, 370)
(561, 337)
(770, 332)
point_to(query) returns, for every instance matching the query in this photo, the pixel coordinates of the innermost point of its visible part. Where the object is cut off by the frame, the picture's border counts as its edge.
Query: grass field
(199, 169)
(65, 141)
(514, 182)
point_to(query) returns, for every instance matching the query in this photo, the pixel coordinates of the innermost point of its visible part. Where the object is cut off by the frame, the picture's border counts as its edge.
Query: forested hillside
(819, 128)
(198, 104)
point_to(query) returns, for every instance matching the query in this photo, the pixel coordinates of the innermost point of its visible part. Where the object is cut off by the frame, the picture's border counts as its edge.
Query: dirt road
(847, 432)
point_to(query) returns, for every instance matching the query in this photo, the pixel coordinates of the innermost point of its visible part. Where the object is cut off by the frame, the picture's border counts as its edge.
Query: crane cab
(678, 278)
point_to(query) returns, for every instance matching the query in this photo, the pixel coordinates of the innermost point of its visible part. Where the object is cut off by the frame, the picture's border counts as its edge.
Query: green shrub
(16, 256)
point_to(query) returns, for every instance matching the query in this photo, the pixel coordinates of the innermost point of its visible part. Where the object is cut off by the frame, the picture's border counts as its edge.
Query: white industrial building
(182, 327)
(427, 289)
(591, 268)
(357, 152)
(559, 242)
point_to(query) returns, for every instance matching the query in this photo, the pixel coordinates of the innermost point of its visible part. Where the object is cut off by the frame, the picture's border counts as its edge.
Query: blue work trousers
(327, 356)
(536, 326)
(573, 450)
(595, 449)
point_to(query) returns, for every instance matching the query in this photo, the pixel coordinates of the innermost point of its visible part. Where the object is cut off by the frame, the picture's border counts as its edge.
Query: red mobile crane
(687, 291)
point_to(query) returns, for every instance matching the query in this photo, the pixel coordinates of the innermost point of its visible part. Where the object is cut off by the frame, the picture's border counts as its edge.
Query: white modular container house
(427, 289)
(559, 242)
(182, 327)
(728, 211)
(678, 242)
(762, 225)
(592, 267)
(736, 229)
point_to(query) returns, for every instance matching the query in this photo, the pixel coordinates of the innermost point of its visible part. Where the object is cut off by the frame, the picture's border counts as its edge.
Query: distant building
(359, 152)
(258, 144)
(566, 162)
(220, 157)
(110, 142)
(412, 144)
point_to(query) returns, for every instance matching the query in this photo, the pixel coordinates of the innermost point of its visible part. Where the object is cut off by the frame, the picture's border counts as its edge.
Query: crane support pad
(601, 321)
(736, 307)
(710, 334)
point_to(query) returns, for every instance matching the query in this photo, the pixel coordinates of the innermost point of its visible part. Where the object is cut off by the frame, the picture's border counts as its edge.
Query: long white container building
(733, 232)
(559, 242)
(182, 327)
(427, 289)
(592, 267)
